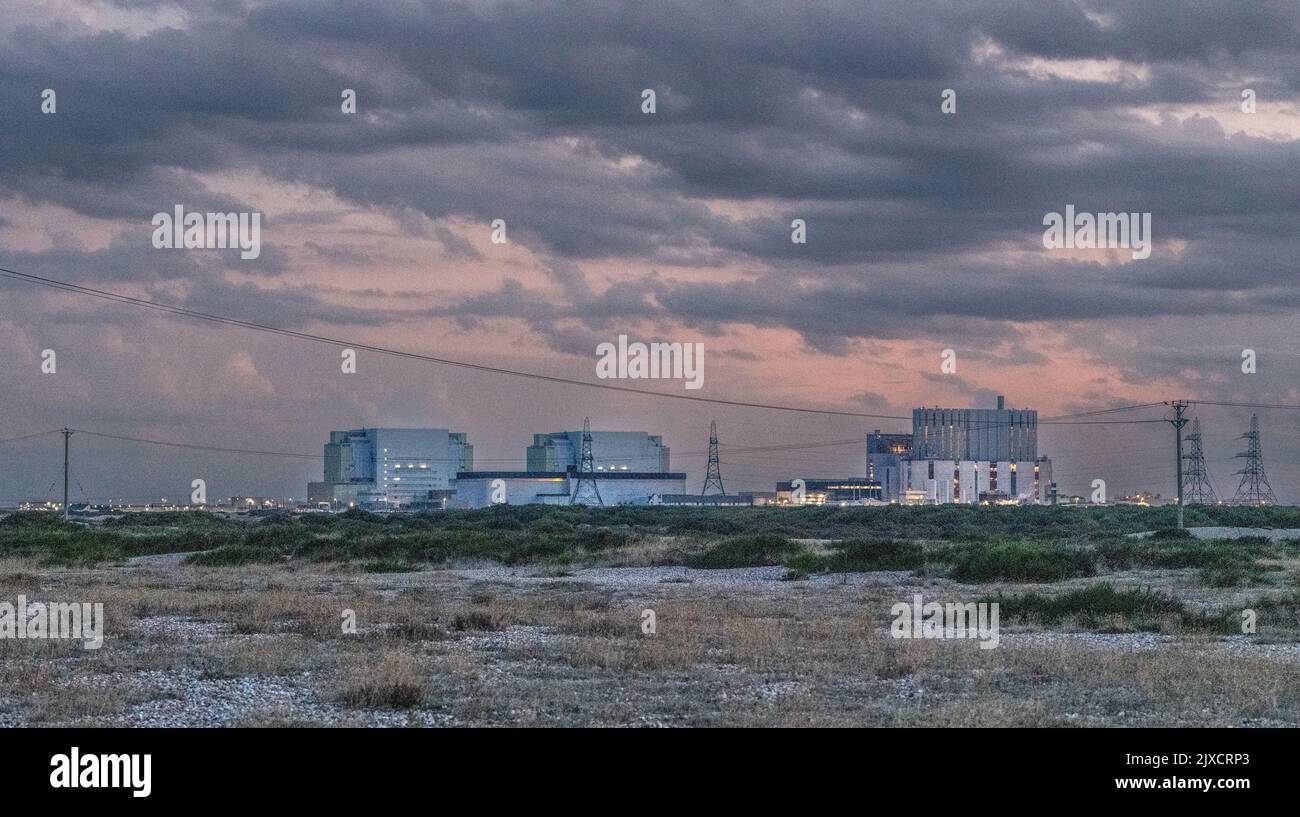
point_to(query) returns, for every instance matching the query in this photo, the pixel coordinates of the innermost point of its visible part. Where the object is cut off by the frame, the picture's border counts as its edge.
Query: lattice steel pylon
(1198, 490)
(713, 475)
(586, 490)
(1254, 488)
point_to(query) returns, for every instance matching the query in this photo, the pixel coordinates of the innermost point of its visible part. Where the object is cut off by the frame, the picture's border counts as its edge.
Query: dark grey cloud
(831, 109)
(922, 227)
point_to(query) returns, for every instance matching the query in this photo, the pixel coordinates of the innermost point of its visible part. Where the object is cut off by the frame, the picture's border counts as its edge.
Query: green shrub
(977, 543)
(1022, 562)
(388, 565)
(1097, 606)
(861, 555)
(745, 551)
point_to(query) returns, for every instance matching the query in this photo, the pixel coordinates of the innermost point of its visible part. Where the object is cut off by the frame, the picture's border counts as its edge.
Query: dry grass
(436, 648)
(396, 682)
(259, 656)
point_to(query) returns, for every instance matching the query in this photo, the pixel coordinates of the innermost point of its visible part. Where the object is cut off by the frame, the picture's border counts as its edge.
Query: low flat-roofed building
(479, 489)
(707, 501)
(827, 491)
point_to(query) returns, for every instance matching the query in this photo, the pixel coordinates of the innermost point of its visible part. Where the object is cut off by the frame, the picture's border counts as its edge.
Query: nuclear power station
(958, 455)
(962, 455)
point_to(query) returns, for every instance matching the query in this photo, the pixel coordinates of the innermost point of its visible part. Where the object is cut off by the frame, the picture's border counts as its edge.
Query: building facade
(983, 435)
(962, 455)
(937, 482)
(843, 491)
(479, 489)
(885, 454)
(391, 467)
(632, 451)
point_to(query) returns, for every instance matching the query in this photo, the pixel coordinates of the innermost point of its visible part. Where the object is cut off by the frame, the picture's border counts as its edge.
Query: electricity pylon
(1254, 488)
(713, 475)
(1200, 491)
(586, 490)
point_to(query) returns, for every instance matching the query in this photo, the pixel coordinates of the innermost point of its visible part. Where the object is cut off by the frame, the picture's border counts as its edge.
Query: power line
(383, 350)
(1105, 411)
(260, 327)
(32, 436)
(296, 455)
(1283, 406)
(197, 447)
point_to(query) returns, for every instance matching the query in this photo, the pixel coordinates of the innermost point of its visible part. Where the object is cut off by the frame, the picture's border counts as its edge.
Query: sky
(924, 229)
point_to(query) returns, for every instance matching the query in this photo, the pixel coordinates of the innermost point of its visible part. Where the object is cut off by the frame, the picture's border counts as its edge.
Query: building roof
(571, 473)
(708, 499)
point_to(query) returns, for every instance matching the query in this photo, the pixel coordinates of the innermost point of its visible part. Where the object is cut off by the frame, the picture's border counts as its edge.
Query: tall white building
(962, 455)
(391, 467)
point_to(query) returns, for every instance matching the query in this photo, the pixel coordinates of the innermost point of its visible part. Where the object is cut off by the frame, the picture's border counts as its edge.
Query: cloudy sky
(924, 229)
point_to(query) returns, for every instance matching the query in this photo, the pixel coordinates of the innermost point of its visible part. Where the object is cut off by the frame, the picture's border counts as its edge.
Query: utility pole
(713, 474)
(67, 436)
(1178, 421)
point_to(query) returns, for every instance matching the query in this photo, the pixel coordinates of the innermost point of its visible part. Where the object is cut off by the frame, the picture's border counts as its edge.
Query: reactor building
(414, 468)
(962, 455)
(628, 468)
(610, 450)
(380, 468)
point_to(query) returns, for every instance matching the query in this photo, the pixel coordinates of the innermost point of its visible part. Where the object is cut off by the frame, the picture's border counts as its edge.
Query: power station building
(629, 468)
(391, 467)
(885, 454)
(962, 455)
(937, 482)
(633, 451)
(981, 435)
(843, 491)
(479, 489)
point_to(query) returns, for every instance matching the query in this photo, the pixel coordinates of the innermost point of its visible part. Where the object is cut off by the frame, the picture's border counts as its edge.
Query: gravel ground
(524, 646)
(744, 578)
(1276, 534)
